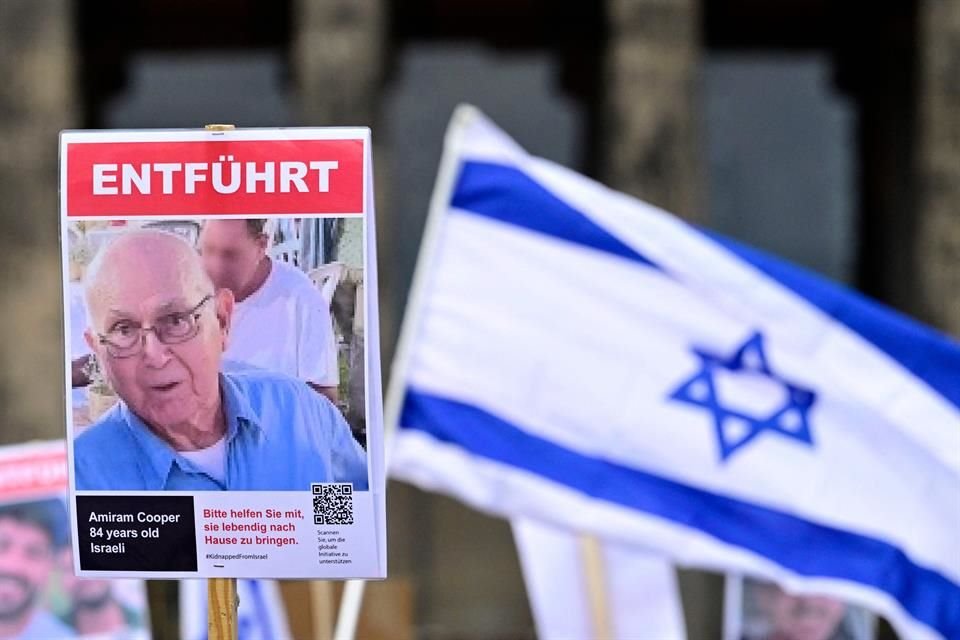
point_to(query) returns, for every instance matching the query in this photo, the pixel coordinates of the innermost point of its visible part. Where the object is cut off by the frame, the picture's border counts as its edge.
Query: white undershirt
(212, 460)
(285, 326)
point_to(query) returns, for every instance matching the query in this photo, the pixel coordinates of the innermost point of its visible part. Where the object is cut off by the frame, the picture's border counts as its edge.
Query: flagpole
(352, 602)
(349, 613)
(591, 554)
(222, 600)
(439, 201)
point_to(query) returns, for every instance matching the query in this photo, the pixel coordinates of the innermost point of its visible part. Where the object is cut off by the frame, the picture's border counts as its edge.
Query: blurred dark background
(826, 132)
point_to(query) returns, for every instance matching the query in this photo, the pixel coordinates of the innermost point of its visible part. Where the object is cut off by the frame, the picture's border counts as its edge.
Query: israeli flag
(582, 358)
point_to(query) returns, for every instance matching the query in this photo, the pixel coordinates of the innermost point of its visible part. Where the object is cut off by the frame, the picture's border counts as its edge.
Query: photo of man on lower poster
(40, 597)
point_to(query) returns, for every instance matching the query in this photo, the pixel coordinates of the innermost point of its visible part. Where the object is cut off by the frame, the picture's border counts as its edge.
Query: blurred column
(337, 60)
(650, 137)
(37, 100)
(338, 53)
(937, 247)
(650, 146)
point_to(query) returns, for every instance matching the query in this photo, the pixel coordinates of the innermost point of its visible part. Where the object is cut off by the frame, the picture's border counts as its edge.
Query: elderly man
(280, 321)
(30, 534)
(159, 329)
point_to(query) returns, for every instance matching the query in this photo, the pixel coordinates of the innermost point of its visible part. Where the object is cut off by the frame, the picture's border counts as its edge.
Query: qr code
(332, 503)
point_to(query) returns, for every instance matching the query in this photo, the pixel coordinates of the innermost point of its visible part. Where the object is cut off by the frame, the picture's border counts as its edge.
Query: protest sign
(222, 361)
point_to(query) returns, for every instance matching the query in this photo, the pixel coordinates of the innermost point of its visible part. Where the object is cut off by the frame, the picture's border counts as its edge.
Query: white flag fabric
(640, 588)
(579, 357)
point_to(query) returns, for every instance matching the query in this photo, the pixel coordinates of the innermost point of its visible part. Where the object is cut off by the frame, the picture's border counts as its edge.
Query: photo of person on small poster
(760, 610)
(217, 355)
(40, 598)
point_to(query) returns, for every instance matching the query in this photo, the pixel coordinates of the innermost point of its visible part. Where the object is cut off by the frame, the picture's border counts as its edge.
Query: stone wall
(937, 205)
(650, 149)
(37, 100)
(650, 136)
(337, 50)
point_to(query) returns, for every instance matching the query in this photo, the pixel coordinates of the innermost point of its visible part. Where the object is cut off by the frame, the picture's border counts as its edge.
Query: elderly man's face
(230, 253)
(143, 285)
(26, 560)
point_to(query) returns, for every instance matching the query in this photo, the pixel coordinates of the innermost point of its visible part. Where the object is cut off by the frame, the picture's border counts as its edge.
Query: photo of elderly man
(159, 329)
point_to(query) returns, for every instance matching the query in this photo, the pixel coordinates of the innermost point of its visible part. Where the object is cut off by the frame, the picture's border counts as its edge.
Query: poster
(222, 357)
(40, 598)
(757, 610)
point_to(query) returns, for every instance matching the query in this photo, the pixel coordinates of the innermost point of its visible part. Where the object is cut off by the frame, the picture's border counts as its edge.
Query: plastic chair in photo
(326, 278)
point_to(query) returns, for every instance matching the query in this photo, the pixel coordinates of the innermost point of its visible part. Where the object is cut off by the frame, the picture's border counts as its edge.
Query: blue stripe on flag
(927, 354)
(509, 195)
(799, 545)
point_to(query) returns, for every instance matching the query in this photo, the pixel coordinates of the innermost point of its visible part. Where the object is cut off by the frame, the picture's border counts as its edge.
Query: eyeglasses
(126, 338)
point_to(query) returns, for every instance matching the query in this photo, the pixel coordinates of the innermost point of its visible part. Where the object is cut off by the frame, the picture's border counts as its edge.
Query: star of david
(735, 428)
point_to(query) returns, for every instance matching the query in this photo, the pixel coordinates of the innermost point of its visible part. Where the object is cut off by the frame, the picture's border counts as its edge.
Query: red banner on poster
(34, 471)
(244, 177)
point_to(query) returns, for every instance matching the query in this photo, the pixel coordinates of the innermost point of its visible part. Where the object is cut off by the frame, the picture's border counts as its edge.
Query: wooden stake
(321, 608)
(222, 605)
(596, 583)
(222, 598)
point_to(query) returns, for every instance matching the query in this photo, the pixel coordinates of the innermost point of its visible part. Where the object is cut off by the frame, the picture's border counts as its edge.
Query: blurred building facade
(820, 130)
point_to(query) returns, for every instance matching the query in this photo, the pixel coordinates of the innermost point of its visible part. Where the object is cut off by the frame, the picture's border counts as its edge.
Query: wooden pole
(222, 605)
(321, 609)
(222, 601)
(596, 583)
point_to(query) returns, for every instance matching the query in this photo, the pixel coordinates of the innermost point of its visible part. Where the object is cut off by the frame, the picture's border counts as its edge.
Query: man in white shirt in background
(281, 322)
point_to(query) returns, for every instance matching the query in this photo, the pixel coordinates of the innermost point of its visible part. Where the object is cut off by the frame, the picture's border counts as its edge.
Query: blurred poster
(40, 597)
(755, 610)
(260, 615)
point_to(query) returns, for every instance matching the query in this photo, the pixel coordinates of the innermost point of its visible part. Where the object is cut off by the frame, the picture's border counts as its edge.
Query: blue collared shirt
(281, 436)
